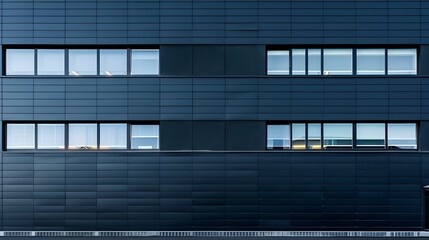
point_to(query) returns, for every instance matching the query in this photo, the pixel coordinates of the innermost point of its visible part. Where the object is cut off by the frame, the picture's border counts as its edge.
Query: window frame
(67, 49)
(354, 146)
(66, 136)
(354, 49)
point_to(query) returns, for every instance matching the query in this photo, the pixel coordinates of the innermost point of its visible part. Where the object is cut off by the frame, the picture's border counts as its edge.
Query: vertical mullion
(98, 62)
(354, 135)
(36, 52)
(66, 62)
(322, 61)
(386, 59)
(306, 61)
(290, 62)
(321, 136)
(354, 61)
(36, 133)
(66, 135)
(385, 135)
(98, 135)
(129, 135)
(306, 136)
(128, 61)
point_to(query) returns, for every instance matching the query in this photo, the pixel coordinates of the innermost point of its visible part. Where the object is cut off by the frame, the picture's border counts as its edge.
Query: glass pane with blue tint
(50, 136)
(370, 135)
(144, 136)
(278, 136)
(298, 136)
(113, 62)
(298, 61)
(50, 62)
(402, 136)
(337, 135)
(337, 62)
(278, 63)
(20, 136)
(314, 136)
(370, 62)
(402, 61)
(82, 62)
(83, 136)
(145, 62)
(113, 136)
(314, 61)
(20, 62)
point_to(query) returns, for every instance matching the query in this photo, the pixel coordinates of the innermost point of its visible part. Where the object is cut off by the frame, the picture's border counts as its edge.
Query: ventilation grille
(209, 234)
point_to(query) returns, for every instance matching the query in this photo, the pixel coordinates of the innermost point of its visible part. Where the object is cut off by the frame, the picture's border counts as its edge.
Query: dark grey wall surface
(213, 95)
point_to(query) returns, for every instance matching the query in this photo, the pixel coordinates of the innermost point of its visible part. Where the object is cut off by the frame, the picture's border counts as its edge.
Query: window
(20, 136)
(144, 62)
(314, 136)
(113, 62)
(402, 136)
(50, 62)
(402, 61)
(298, 61)
(337, 135)
(113, 136)
(371, 135)
(20, 62)
(278, 62)
(82, 62)
(144, 136)
(82, 136)
(50, 136)
(298, 136)
(314, 61)
(278, 137)
(337, 62)
(371, 62)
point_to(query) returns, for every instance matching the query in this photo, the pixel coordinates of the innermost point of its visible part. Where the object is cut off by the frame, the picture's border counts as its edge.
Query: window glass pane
(82, 62)
(145, 61)
(50, 136)
(337, 62)
(82, 136)
(145, 137)
(402, 136)
(314, 61)
(298, 136)
(113, 136)
(20, 136)
(298, 61)
(370, 135)
(20, 62)
(278, 137)
(113, 62)
(50, 62)
(402, 61)
(337, 135)
(278, 63)
(314, 136)
(370, 61)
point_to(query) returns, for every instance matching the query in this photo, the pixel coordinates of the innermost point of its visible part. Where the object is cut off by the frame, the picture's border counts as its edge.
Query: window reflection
(50, 62)
(278, 62)
(20, 62)
(278, 137)
(314, 136)
(298, 136)
(113, 62)
(20, 136)
(298, 61)
(113, 136)
(82, 62)
(82, 136)
(337, 62)
(370, 62)
(314, 61)
(50, 136)
(402, 61)
(337, 135)
(370, 135)
(144, 136)
(144, 62)
(402, 136)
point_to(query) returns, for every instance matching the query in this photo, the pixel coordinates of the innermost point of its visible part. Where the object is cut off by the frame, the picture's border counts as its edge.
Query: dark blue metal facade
(213, 94)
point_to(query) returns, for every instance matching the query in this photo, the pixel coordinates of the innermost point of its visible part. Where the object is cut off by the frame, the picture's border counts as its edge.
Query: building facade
(241, 115)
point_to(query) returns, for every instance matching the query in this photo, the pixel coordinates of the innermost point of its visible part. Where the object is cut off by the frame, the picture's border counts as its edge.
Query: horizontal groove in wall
(212, 234)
